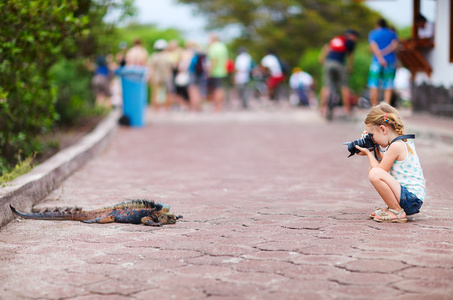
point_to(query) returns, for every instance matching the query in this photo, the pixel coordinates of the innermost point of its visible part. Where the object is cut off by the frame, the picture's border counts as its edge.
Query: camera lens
(365, 142)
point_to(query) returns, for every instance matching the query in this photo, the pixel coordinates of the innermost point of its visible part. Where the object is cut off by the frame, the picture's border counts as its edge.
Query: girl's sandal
(378, 212)
(384, 217)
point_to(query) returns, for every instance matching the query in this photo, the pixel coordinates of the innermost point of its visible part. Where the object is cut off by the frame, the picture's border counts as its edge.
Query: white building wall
(439, 56)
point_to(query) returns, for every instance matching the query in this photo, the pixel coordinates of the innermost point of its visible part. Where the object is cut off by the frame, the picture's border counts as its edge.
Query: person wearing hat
(160, 75)
(334, 57)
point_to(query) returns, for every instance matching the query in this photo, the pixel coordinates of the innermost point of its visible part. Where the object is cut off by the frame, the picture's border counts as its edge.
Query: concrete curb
(28, 189)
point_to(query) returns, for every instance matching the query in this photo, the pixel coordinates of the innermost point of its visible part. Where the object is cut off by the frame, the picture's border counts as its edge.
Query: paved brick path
(272, 209)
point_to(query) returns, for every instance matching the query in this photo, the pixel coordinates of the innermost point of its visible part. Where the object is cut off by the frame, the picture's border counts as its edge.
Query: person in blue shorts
(383, 44)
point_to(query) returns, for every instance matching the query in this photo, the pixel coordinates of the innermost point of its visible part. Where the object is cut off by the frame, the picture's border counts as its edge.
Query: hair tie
(386, 118)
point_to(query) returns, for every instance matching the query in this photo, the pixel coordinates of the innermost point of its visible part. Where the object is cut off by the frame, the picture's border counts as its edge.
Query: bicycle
(334, 98)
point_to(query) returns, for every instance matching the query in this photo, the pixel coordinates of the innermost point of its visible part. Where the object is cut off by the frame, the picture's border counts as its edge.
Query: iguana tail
(57, 215)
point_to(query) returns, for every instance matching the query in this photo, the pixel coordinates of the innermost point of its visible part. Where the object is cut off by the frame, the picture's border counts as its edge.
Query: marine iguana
(135, 212)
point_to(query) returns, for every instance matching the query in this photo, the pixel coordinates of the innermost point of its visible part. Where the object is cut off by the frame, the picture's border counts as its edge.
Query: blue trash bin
(135, 94)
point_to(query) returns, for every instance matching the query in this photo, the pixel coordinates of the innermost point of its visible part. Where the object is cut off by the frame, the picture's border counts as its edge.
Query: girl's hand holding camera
(363, 151)
(397, 176)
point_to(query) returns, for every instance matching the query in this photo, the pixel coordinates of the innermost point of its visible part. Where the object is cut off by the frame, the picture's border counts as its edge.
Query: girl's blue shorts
(409, 202)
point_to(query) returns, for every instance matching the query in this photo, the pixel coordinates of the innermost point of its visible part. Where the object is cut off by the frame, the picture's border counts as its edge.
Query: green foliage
(22, 167)
(309, 63)
(101, 36)
(404, 33)
(147, 33)
(288, 26)
(359, 76)
(74, 97)
(32, 36)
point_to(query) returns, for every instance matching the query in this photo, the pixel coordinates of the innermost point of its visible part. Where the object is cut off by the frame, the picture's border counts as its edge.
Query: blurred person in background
(383, 44)
(182, 78)
(271, 64)
(198, 78)
(217, 66)
(425, 29)
(302, 84)
(115, 84)
(174, 54)
(333, 57)
(242, 67)
(160, 75)
(101, 82)
(137, 55)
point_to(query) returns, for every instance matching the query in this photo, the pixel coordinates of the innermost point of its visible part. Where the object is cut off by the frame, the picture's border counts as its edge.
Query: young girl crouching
(395, 170)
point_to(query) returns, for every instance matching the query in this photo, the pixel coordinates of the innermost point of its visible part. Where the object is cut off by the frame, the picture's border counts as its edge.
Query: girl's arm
(392, 154)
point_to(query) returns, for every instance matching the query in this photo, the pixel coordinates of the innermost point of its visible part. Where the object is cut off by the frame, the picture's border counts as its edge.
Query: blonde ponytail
(385, 114)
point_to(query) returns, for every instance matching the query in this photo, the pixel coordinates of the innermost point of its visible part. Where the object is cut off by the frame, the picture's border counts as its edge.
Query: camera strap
(403, 137)
(398, 138)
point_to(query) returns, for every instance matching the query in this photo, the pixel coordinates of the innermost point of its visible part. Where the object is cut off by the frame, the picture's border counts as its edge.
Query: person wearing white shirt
(302, 83)
(272, 64)
(242, 66)
(425, 29)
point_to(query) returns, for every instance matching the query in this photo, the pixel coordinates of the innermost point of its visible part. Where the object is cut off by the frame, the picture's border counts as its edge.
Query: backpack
(286, 69)
(230, 66)
(338, 43)
(200, 65)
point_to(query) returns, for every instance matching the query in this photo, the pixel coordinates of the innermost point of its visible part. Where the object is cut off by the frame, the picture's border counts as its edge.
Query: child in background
(395, 171)
(302, 84)
(100, 82)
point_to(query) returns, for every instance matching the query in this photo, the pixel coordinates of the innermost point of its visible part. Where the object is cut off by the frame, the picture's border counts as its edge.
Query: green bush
(147, 33)
(362, 60)
(33, 34)
(310, 64)
(22, 167)
(74, 97)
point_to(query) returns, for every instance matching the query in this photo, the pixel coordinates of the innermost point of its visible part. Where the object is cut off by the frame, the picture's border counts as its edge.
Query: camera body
(365, 142)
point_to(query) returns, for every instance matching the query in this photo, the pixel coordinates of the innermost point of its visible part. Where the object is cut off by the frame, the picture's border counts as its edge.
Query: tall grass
(21, 168)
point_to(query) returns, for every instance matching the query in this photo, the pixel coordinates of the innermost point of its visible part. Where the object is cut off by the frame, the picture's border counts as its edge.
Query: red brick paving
(272, 208)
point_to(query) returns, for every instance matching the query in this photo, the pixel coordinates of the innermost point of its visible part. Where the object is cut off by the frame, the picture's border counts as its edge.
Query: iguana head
(165, 217)
(168, 218)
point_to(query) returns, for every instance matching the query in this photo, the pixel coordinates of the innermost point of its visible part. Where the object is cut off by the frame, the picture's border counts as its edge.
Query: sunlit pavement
(272, 207)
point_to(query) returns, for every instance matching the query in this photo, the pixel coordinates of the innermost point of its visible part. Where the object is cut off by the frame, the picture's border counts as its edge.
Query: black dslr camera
(365, 142)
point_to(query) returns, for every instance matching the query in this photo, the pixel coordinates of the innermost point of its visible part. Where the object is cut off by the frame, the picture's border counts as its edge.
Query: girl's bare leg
(388, 188)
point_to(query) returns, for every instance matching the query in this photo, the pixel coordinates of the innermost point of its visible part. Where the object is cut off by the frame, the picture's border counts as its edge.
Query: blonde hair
(385, 114)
